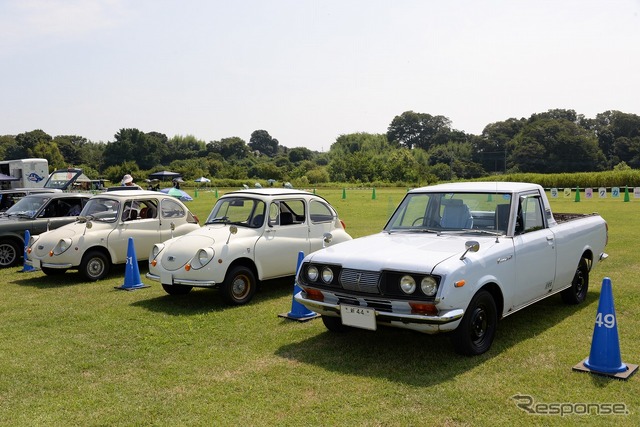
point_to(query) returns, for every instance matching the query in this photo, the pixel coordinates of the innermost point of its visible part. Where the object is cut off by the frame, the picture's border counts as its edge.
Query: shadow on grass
(418, 359)
(203, 300)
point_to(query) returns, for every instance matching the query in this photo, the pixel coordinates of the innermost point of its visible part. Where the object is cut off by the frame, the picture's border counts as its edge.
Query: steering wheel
(430, 222)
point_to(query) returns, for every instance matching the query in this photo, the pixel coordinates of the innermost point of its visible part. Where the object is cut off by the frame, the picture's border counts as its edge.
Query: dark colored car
(36, 213)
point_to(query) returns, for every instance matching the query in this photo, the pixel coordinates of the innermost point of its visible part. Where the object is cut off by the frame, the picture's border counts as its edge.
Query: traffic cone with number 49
(604, 358)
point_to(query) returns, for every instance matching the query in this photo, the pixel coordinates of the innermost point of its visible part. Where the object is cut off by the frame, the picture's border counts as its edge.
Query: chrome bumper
(332, 309)
(188, 282)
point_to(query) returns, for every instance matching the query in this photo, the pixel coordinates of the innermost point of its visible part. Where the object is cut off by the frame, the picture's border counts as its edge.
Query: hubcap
(95, 267)
(7, 254)
(240, 286)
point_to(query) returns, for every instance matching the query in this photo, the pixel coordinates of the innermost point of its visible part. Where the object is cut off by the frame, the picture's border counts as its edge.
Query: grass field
(75, 353)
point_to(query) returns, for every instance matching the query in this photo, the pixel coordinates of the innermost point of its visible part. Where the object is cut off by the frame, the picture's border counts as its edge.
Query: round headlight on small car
(429, 286)
(155, 251)
(327, 275)
(202, 258)
(312, 273)
(62, 246)
(407, 284)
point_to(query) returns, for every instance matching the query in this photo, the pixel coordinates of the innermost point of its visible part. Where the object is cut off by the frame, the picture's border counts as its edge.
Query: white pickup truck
(455, 258)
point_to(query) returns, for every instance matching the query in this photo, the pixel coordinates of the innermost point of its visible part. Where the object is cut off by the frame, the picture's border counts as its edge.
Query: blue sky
(308, 71)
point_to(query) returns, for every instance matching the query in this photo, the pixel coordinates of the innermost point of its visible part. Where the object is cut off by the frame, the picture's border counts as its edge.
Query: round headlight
(62, 246)
(312, 273)
(429, 286)
(407, 284)
(157, 248)
(327, 275)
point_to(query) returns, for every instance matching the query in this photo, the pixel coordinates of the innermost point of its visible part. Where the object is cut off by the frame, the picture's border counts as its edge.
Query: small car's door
(134, 223)
(286, 234)
(321, 220)
(535, 252)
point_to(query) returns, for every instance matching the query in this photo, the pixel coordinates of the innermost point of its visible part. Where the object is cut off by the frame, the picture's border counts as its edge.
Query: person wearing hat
(127, 181)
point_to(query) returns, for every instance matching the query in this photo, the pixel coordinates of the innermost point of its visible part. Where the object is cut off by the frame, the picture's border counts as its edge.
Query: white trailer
(23, 173)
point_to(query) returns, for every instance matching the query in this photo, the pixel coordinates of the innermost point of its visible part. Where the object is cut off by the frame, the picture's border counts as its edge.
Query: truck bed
(565, 217)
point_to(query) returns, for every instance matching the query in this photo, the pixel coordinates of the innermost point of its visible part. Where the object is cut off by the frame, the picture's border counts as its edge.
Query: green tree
(25, 144)
(49, 151)
(411, 130)
(229, 148)
(264, 143)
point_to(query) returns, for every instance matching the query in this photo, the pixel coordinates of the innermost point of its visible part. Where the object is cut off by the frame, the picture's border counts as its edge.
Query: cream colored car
(250, 236)
(100, 236)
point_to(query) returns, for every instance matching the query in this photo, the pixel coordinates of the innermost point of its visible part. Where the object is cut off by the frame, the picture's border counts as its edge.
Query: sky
(308, 71)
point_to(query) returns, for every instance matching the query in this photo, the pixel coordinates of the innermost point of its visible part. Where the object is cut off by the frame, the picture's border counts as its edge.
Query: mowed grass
(77, 353)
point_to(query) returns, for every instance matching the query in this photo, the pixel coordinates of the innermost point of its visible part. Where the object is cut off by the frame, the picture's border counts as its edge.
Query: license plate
(35, 263)
(358, 317)
(166, 278)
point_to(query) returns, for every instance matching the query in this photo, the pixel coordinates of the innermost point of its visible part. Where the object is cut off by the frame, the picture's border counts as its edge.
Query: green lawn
(75, 353)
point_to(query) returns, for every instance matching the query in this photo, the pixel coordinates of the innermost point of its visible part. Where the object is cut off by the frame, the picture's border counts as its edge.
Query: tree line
(418, 148)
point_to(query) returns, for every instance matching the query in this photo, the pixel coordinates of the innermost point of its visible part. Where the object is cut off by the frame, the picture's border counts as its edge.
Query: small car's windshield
(241, 211)
(101, 209)
(27, 207)
(438, 212)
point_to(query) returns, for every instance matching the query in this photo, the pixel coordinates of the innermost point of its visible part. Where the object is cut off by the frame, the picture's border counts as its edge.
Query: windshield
(101, 209)
(479, 212)
(27, 207)
(239, 211)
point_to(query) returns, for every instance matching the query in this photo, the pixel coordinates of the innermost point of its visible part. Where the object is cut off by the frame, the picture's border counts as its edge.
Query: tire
(239, 286)
(477, 329)
(177, 289)
(9, 253)
(334, 324)
(579, 285)
(53, 271)
(95, 265)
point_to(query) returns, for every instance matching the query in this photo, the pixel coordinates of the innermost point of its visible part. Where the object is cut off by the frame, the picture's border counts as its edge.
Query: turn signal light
(154, 263)
(314, 295)
(419, 308)
(187, 267)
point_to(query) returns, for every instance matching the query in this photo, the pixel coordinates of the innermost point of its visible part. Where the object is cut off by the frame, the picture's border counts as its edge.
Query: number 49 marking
(608, 320)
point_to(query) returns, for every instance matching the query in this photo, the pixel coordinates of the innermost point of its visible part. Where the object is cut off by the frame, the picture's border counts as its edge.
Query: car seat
(456, 215)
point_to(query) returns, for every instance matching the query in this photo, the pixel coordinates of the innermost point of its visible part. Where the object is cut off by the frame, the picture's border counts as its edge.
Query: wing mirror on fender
(326, 239)
(471, 246)
(233, 229)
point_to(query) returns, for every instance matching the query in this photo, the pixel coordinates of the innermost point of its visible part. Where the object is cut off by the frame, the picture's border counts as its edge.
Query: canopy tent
(164, 175)
(203, 179)
(182, 195)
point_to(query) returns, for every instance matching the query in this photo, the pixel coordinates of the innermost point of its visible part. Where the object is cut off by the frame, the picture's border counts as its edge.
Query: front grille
(360, 280)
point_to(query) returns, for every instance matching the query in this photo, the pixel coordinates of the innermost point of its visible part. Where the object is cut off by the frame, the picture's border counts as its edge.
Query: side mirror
(233, 229)
(326, 239)
(470, 246)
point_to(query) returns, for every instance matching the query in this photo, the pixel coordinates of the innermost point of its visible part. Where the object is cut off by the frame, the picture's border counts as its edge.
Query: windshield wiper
(222, 219)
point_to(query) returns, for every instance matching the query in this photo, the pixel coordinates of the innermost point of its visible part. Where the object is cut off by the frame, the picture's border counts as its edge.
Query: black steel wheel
(579, 286)
(477, 329)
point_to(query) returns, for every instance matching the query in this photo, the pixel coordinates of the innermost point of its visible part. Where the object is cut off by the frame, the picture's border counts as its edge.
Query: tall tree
(419, 130)
(229, 148)
(264, 143)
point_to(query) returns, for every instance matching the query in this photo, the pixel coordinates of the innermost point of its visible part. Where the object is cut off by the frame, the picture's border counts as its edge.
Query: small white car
(100, 236)
(249, 234)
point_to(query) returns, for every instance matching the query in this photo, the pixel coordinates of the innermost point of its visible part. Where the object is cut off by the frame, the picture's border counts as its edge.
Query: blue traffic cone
(298, 311)
(604, 357)
(132, 273)
(25, 267)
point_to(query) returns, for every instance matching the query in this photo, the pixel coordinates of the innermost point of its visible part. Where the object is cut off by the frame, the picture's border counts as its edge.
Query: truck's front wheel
(577, 292)
(478, 327)
(334, 324)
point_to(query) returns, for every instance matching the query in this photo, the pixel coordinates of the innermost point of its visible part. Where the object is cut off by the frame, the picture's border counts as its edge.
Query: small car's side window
(171, 209)
(320, 212)
(274, 213)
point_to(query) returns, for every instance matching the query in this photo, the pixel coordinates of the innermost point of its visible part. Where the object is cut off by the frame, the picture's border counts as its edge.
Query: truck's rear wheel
(577, 292)
(478, 327)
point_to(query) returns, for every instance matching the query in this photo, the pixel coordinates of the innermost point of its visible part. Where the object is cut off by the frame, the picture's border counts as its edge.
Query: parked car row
(452, 258)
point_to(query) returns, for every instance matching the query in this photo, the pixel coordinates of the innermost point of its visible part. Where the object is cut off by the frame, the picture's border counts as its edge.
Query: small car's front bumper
(442, 322)
(36, 263)
(169, 279)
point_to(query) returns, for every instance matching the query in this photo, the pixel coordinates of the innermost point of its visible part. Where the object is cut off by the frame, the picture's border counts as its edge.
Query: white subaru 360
(250, 235)
(100, 236)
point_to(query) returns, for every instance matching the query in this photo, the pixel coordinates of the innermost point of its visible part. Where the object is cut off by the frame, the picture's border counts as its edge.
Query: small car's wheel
(95, 265)
(53, 271)
(177, 289)
(334, 324)
(477, 329)
(239, 286)
(579, 286)
(9, 253)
